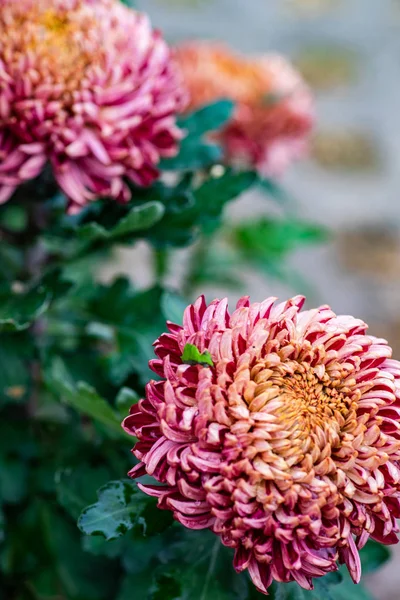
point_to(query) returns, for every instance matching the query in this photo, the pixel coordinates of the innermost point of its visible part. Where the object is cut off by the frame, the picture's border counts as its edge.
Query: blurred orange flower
(274, 107)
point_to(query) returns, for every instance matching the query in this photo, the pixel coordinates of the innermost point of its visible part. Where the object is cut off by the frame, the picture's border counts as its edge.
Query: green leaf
(189, 211)
(121, 506)
(125, 399)
(373, 556)
(192, 356)
(101, 547)
(14, 218)
(212, 196)
(117, 510)
(82, 576)
(347, 590)
(195, 151)
(83, 398)
(19, 307)
(76, 486)
(138, 586)
(208, 118)
(202, 568)
(16, 356)
(136, 321)
(266, 243)
(13, 480)
(137, 219)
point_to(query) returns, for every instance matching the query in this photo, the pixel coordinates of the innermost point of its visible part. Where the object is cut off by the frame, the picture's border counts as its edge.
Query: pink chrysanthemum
(288, 448)
(274, 108)
(88, 86)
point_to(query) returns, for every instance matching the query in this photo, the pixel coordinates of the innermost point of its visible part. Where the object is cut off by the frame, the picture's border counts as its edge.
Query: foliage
(74, 357)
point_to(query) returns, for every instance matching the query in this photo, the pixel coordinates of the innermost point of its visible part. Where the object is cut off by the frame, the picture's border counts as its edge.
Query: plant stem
(213, 561)
(161, 264)
(198, 257)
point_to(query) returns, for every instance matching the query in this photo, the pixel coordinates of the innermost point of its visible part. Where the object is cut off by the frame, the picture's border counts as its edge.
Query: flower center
(55, 41)
(298, 410)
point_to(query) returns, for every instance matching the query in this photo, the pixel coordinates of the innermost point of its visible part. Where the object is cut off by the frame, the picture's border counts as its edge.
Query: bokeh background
(349, 52)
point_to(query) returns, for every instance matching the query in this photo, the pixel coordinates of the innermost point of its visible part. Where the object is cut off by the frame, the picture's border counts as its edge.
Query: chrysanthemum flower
(88, 86)
(288, 447)
(274, 108)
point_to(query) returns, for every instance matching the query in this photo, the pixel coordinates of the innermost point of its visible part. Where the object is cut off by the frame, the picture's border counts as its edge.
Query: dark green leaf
(16, 358)
(208, 118)
(19, 306)
(196, 152)
(189, 211)
(125, 399)
(137, 219)
(136, 321)
(137, 586)
(83, 398)
(212, 196)
(14, 218)
(202, 567)
(13, 480)
(192, 356)
(83, 576)
(76, 487)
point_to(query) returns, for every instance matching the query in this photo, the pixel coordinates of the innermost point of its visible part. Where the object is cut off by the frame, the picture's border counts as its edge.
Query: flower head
(287, 445)
(88, 86)
(274, 108)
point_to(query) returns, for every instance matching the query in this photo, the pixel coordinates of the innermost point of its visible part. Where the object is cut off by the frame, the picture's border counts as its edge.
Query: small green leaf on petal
(192, 356)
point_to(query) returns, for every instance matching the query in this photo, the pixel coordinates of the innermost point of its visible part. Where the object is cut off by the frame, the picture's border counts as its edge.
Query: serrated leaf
(192, 356)
(121, 506)
(117, 510)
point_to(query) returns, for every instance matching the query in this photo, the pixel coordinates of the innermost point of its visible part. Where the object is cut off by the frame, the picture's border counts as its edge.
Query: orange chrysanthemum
(274, 112)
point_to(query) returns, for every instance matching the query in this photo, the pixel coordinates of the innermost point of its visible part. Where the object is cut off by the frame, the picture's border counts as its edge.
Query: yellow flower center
(56, 39)
(302, 415)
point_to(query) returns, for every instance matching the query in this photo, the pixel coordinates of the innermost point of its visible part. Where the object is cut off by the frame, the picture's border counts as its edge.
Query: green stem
(197, 259)
(213, 562)
(161, 264)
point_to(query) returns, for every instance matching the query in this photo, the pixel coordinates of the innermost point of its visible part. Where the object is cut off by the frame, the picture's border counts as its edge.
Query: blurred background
(349, 52)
